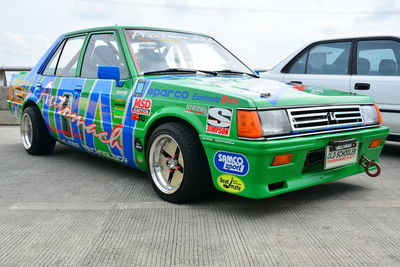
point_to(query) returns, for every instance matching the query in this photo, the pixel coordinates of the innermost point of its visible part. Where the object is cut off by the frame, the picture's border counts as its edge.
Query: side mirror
(109, 73)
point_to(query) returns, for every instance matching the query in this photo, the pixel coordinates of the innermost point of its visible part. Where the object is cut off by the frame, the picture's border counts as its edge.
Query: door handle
(298, 82)
(39, 84)
(77, 90)
(362, 86)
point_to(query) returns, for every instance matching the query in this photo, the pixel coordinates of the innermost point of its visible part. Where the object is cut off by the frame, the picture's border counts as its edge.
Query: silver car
(367, 65)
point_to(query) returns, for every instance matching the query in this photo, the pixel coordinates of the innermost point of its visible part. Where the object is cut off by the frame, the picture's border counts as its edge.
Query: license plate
(340, 153)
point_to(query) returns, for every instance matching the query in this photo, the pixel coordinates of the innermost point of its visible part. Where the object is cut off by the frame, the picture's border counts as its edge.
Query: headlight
(370, 114)
(274, 122)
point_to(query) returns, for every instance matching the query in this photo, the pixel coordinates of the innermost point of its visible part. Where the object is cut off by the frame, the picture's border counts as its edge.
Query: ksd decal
(219, 121)
(231, 163)
(230, 183)
(142, 106)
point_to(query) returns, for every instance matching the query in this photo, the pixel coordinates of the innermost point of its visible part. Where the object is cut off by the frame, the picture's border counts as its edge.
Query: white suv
(370, 64)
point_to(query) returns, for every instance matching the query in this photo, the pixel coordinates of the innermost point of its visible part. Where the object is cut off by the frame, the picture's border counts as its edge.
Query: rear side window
(102, 50)
(327, 58)
(69, 57)
(52, 65)
(378, 57)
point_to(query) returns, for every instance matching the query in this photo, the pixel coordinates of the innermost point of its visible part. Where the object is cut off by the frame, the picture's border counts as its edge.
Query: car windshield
(163, 51)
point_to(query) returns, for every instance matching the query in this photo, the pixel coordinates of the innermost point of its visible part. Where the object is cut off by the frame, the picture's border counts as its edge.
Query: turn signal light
(248, 124)
(282, 159)
(379, 114)
(375, 143)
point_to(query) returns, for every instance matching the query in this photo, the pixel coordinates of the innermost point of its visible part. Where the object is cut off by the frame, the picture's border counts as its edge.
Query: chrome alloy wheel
(26, 131)
(166, 163)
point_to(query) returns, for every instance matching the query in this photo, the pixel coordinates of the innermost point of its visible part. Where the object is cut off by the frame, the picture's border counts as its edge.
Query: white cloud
(259, 32)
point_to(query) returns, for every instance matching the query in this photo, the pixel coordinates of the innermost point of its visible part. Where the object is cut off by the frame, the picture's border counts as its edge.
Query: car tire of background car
(35, 136)
(177, 163)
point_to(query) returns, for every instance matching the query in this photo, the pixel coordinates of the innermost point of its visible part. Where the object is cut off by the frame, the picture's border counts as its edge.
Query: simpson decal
(142, 106)
(231, 163)
(230, 183)
(219, 121)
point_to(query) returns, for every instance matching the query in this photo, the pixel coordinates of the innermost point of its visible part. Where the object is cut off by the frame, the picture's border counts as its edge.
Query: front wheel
(177, 164)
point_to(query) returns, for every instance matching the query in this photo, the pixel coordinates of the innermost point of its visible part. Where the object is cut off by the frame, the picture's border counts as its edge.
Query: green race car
(183, 108)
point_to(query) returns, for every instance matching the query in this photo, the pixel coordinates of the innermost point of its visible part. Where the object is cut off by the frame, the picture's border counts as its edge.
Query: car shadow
(391, 149)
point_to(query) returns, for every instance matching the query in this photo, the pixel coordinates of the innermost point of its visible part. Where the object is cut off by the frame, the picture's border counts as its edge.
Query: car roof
(356, 37)
(106, 28)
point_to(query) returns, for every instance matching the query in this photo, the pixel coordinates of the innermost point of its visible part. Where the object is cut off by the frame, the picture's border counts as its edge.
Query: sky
(260, 33)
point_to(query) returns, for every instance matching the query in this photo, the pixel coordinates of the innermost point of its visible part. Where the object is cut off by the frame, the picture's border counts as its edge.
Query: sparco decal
(142, 106)
(167, 93)
(231, 163)
(219, 121)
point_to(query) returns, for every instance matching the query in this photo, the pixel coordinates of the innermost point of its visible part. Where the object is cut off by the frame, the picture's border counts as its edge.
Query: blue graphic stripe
(105, 101)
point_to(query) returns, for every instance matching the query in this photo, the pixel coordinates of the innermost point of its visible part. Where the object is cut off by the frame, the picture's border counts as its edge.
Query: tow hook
(367, 164)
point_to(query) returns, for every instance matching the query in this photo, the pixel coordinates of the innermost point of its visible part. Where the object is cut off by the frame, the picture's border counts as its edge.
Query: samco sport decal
(219, 121)
(231, 163)
(230, 183)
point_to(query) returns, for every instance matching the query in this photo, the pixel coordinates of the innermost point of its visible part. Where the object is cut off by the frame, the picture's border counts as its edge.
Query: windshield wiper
(172, 70)
(236, 72)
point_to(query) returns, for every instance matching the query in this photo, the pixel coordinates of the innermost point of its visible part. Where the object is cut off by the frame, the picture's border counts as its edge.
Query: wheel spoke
(177, 151)
(165, 154)
(171, 175)
(179, 168)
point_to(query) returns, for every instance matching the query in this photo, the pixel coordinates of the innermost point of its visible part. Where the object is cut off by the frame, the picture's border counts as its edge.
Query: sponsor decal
(232, 163)
(206, 98)
(230, 183)
(219, 121)
(216, 140)
(139, 158)
(138, 145)
(139, 88)
(105, 137)
(167, 93)
(196, 109)
(229, 100)
(142, 106)
(138, 117)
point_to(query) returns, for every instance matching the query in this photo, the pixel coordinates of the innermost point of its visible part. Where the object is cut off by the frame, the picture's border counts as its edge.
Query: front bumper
(264, 180)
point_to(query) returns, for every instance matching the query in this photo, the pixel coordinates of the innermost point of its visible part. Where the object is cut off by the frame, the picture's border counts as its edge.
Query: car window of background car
(299, 67)
(378, 57)
(102, 50)
(329, 58)
(157, 50)
(51, 66)
(69, 57)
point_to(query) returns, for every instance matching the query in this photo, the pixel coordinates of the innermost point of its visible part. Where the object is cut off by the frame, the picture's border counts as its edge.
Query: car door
(377, 74)
(103, 102)
(60, 86)
(324, 64)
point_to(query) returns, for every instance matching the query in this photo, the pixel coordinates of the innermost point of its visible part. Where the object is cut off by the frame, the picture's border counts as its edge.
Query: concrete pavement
(71, 208)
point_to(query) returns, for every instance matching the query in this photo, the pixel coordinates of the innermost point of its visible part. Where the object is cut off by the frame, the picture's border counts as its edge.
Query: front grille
(320, 118)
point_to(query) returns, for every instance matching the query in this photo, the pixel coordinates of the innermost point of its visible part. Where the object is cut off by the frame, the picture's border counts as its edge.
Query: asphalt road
(71, 208)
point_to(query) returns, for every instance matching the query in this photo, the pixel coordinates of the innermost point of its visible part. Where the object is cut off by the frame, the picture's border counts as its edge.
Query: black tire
(42, 142)
(197, 180)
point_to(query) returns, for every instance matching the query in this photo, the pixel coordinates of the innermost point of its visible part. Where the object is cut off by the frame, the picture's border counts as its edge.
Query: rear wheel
(35, 136)
(178, 167)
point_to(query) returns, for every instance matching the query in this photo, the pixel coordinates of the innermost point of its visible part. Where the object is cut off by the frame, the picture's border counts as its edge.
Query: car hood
(260, 92)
